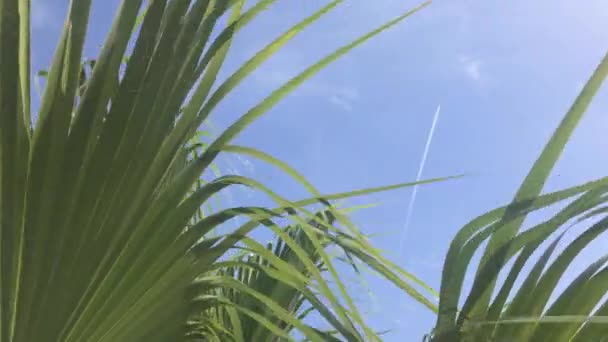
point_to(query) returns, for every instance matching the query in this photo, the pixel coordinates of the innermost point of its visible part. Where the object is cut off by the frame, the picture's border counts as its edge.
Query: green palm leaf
(530, 315)
(102, 234)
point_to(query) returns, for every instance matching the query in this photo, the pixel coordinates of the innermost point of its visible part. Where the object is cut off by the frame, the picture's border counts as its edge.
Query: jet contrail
(410, 207)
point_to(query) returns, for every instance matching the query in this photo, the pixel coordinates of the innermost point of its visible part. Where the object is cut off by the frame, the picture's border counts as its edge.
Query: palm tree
(100, 239)
(502, 311)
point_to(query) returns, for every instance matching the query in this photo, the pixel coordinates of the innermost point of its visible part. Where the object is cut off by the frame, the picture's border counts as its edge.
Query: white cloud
(472, 70)
(471, 67)
(339, 95)
(340, 102)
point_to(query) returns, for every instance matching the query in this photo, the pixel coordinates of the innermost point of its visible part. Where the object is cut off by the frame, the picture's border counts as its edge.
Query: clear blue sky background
(503, 72)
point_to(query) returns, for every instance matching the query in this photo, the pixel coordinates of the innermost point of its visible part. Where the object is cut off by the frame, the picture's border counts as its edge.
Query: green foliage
(579, 313)
(274, 273)
(100, 236)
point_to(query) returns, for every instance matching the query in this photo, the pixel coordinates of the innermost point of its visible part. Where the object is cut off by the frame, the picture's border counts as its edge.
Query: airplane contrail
(410, 207)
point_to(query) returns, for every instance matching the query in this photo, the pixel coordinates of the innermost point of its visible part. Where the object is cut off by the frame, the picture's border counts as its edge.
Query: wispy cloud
(471, 67)
(340, 95)
(340, 102)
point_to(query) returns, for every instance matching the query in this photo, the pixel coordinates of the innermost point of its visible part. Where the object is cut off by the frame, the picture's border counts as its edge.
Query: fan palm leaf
(275, 273)
(100, 238)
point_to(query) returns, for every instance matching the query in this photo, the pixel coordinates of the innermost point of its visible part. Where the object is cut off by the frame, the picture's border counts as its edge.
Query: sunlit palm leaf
(276, 273)
(483, 317)
(100, 239)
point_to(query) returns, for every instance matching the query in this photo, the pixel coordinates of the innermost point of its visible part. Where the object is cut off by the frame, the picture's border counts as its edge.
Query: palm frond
(530, 314)
(99, 196)
(274, 273)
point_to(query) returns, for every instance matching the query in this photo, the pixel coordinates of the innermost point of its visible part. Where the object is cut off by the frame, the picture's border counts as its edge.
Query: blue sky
(504, 73)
